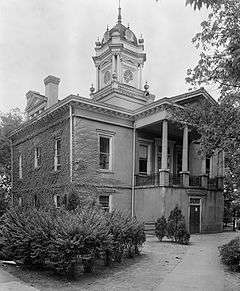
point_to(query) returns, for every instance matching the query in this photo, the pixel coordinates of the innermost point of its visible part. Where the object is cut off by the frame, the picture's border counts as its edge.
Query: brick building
(144, 161)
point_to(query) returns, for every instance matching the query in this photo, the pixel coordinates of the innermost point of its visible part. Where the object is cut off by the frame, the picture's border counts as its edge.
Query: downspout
(11, 146)
(133, 169)
(71, 143)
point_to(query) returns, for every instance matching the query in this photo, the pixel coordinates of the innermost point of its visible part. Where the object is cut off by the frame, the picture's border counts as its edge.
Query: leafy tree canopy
(198, 4)
(8, 122)
(219, 64)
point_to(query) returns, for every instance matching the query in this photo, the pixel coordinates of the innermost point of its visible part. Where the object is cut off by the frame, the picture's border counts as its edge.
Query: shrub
(65, 239)
(176, 227)
(128, 234)
(230, 254)
(160, 227)
(182, 236)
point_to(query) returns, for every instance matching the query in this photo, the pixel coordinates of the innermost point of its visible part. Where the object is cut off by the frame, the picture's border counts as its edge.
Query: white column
(204, 177)
(118, 67)
(97, 79)
(211, 167)
(164, 144)
(185, 150)
(203, 168)
(156, 156)
(140, 77)
(113, 64)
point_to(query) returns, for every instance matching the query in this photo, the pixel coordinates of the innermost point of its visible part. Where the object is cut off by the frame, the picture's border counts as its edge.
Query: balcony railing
(212, 183)
(146, 180)
(195, 181)
(175, 179)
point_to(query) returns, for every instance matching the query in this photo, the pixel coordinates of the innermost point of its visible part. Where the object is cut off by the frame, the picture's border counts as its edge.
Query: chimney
(51, 90)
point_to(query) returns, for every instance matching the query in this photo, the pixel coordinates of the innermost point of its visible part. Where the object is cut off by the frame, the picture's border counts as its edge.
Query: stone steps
(149, 227)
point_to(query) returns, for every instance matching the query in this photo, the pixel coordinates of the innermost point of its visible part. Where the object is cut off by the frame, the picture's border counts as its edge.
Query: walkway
(163, 266)
(11, 283)
(200, 268)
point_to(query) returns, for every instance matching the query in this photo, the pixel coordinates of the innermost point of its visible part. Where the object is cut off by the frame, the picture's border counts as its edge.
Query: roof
(125, 113)
(121, 30)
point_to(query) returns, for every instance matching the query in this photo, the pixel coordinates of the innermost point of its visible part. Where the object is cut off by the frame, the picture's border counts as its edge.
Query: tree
(198, 4)
(219, 64)
(8, 122)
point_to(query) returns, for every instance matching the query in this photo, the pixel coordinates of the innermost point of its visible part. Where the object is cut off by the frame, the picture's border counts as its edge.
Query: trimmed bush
(63, 239)
(161, 227)
(182, 236)
(176, 227)
(128, 234)
(230, 254)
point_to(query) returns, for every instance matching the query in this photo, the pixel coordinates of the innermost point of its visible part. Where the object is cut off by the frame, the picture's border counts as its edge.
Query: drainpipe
(133, 170)
(70, 142)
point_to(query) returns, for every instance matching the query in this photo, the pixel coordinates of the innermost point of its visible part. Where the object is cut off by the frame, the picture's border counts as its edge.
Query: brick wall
(42, 181)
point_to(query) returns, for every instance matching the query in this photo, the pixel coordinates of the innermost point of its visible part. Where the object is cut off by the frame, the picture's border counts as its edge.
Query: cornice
(98, 107)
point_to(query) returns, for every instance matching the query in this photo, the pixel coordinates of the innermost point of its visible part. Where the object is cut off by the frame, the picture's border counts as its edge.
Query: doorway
(195, 215)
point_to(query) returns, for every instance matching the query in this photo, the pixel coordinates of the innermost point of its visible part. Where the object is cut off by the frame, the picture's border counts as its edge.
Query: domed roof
(124, 32)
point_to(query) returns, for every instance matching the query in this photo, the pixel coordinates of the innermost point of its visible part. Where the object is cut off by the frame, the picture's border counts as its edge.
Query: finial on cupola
(146, 87)
(97, 43)
(92, 89)
(119, 13)
(141, 40)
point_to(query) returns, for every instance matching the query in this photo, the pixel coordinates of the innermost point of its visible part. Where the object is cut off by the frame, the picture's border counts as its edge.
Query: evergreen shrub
(64, 239)
(161, 227)
(230, 254)
(174, 227)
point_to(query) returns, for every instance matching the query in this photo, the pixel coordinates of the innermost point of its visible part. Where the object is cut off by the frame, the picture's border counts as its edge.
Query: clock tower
(119, 61)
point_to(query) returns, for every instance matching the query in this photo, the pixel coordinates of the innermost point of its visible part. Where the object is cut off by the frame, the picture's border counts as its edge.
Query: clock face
(128, 76)
(107, 77)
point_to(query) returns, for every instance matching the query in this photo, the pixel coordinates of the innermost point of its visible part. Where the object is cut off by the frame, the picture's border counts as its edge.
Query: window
(57, 201)
(104, 202)
(105, 157)
(57, 160)
(20, 166)
(143, 158)
(194, 200)
(37, 157)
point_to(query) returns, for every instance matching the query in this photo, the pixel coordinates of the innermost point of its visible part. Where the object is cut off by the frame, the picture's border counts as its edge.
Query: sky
(41, 37)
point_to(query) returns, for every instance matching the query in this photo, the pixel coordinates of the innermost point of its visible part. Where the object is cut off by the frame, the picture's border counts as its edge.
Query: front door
(194, 218)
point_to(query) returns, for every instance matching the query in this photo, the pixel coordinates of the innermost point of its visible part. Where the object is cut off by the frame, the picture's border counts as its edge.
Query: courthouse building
(147, 162)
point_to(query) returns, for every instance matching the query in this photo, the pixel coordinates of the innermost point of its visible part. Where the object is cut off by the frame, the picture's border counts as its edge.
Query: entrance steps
(149, 227)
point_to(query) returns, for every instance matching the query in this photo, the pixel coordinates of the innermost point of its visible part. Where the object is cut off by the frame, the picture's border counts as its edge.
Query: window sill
(143, 174)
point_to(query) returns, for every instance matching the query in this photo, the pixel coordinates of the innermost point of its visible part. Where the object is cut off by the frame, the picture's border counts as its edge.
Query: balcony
(176, 180)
